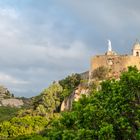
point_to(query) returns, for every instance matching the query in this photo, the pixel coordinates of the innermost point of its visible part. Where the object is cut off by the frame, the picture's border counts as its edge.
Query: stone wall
(115, 63)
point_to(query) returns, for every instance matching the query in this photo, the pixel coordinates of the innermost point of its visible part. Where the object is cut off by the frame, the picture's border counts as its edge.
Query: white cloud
(8, 12)
(8, 79)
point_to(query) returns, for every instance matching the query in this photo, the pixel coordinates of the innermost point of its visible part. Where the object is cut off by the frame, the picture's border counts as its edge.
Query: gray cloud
(44, 41)
(117, 20)
(33, 56)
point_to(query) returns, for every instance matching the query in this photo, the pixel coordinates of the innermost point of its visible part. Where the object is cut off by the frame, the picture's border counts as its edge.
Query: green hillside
(109, 113)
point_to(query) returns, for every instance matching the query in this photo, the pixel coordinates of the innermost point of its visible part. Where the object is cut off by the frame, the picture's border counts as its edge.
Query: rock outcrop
(7, 99)
(5, 93)
(12, 102)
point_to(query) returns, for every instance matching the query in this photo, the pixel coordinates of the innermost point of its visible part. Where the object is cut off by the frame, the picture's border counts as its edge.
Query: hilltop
(91, 105)
(108, 109)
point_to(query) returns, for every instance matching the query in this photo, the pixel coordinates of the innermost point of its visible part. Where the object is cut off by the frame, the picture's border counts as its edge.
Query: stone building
(114, 62)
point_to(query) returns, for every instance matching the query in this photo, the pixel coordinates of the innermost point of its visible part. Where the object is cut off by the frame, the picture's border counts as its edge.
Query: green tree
(19, 126)
(113, 113)
(69, 84)
(49, 100)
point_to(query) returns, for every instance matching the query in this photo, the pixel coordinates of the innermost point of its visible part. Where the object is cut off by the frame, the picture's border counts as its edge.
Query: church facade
(114, 62)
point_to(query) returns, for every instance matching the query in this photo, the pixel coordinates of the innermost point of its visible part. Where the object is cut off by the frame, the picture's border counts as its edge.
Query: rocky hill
(8, 99)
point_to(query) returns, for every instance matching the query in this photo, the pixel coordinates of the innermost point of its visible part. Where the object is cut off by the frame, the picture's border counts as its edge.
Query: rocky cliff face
(75, 96)
(11, 102)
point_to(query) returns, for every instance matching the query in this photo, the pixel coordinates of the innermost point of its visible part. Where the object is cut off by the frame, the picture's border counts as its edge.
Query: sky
(42, 41)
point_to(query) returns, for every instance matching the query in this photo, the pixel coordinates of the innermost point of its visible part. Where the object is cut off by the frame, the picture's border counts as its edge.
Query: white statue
(109, 46)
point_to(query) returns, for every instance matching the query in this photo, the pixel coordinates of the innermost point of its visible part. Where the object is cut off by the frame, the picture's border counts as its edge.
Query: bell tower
(136, 49)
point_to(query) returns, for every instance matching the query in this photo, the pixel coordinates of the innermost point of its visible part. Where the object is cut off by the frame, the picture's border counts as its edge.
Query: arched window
(137, 53)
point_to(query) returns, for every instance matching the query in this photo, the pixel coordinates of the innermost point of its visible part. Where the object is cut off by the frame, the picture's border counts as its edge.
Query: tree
(69, 84)
(19, 126)
(113, 113)
(49, 99)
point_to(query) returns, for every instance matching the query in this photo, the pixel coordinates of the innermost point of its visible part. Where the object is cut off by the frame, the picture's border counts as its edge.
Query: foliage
(113, 113)
(6, 113)
(49, 100)
(22, 126)
(31, 137)
(35, 116)
(69, 84)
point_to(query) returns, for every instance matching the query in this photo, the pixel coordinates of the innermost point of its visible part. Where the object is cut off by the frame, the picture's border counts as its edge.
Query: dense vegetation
(69, 84)
(50, 100)
(6, 113)
(44, 107)
(111, 113)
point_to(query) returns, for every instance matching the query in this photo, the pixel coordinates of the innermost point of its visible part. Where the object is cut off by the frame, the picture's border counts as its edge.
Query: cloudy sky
(45, 40)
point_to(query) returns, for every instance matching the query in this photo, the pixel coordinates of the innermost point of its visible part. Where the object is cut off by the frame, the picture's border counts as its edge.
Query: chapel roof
(136, 46)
